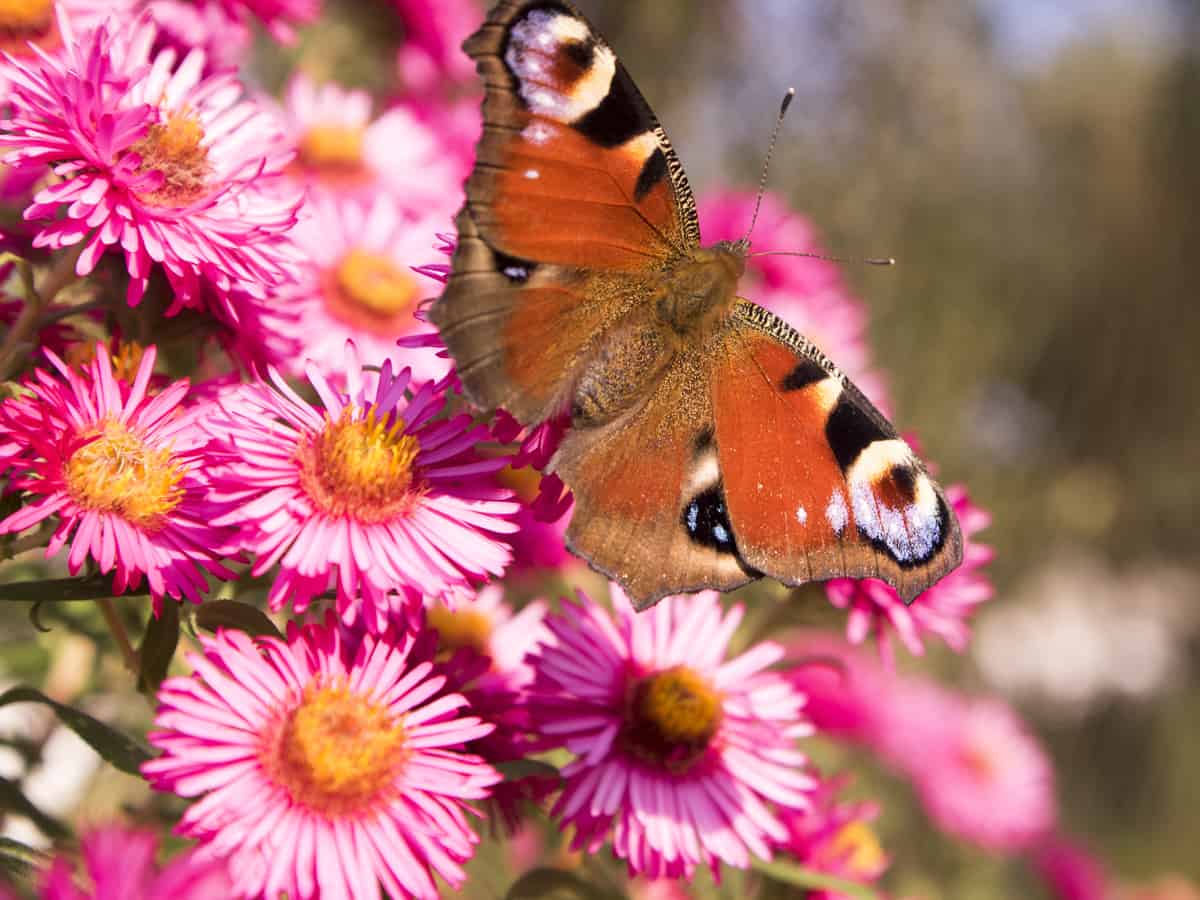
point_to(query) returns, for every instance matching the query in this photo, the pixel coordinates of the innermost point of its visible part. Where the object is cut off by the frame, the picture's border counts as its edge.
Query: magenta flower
(836, 838)
(369, 492)
(152, 158)
(433, 34)
(358, 284)
(208, 25)
(808, 293)
(319, 772)
(123, 472)
(941, 611)
(1070, 871)
(340, 148)
(119, 864)
(679, 754)
(279, 16)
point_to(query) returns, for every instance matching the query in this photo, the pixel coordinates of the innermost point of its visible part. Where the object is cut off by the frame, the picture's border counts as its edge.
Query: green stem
(798, 876)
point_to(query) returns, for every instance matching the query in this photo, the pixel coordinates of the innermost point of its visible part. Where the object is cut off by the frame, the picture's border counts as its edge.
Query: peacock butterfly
(710, 443)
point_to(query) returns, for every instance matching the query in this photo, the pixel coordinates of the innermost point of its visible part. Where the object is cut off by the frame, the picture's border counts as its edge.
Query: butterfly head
(699, 292)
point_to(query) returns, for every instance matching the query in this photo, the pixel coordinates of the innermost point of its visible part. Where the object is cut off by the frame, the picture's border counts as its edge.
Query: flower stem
(18, 341)
(120, 635)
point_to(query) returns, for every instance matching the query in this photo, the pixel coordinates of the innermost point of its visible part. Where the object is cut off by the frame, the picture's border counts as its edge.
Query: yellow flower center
(174, 148)
(125, 362)
(27, 20)
(459, 628)
(360, 468)
(671, 718)
(369, 291)
(333, 149)
(856, 844)
(337, 751)
(117, 473)
(525, 482)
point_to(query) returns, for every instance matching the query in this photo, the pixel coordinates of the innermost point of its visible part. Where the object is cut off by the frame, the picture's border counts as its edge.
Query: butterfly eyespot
(836, 513)
(707, 521)
(806, 372)
(850, 431)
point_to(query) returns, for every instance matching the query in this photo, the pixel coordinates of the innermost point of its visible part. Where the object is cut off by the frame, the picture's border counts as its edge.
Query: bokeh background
(1034, 167)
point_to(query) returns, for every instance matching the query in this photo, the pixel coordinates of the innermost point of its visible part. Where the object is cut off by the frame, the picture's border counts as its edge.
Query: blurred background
(1034, 167)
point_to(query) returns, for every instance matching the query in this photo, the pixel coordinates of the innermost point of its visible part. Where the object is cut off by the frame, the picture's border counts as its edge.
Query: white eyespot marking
(537, 133)
(836, 513)
(827, 392)
(801, 515)
(534, 44)
(879, 458)
(910, 532)
(721, 533)
(693, 518)
(533, 174)
(517, 273)
(641, 147)
(706, 472)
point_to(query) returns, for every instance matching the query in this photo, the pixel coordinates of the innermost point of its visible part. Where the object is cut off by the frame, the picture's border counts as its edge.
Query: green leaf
(556, 884)
(114, 746)
(158, 646)
(234, 614)
(12, 800)
(798, 876)
(18, 860)
(94, 587)
(516, 769)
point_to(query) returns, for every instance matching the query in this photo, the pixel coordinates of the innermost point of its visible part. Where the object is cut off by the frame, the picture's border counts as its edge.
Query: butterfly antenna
(762, 181)
(868, 260)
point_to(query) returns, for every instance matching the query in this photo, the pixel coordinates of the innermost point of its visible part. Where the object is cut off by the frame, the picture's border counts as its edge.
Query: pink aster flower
(27, 29)
(679, 754)
(351, 762)
(358, 284)
(807, 293)
(1070, 871)
(369, 492)
(279, 16)
(122, 471)
(942, 611)
(119, 864)
(836, 838)
(433, 34)
(341, 148)
(153, 158)
(209, 25)
(488, 645)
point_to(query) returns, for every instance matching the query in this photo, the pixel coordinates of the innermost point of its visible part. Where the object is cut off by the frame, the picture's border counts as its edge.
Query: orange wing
(575, 200)
(817, 483)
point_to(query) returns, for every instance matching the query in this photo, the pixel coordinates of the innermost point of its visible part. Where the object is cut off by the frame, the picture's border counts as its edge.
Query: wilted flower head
(679, 754)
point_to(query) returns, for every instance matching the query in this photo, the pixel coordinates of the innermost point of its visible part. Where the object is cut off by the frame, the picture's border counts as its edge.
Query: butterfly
(710, 444)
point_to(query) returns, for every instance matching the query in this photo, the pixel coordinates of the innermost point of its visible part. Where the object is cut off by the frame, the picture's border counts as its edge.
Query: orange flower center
(856, 845)
(459, 628)
(369, 291)
(118, 473)
(336, 150)
(359, 467)
(337, 752)
(174, 148)
(25, 21)
(671, 718)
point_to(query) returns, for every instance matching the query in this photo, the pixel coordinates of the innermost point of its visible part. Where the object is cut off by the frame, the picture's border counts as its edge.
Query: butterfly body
(710, 443)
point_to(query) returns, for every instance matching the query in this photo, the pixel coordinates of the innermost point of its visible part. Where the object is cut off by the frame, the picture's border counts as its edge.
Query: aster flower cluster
(368, 649)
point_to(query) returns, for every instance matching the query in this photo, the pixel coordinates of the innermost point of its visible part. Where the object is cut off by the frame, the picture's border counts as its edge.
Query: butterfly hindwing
(817, 482)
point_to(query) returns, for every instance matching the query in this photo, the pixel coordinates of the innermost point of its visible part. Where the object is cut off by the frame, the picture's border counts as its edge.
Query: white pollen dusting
(533, 45)
(836, 513)
(910, 533)
(533, 174)
(801, 515)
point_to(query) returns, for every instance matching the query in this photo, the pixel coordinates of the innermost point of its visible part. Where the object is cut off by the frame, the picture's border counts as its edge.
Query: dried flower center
(671, 718)
(337, 752)
(336, 149)
(370, 291)
(359, 467)
(174, 148)
(459, 628)
(23, 21)
(856, 845)
(118, 473)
